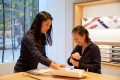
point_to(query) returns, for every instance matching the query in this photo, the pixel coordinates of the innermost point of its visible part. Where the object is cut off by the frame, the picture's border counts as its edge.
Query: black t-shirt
(30, 54)
(90, 59)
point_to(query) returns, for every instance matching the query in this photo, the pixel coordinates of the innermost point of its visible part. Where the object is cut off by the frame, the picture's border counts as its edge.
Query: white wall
(43, 5)
(57, 9)
(110, 9)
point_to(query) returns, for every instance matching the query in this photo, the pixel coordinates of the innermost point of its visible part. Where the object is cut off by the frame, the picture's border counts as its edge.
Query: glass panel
(19, 15)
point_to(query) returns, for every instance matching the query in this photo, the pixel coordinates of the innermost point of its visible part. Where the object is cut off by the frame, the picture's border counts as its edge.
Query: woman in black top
(86, 55)
(33, 45)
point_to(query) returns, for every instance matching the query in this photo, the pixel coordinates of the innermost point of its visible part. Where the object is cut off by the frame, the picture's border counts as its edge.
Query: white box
(105, 46)
(105, 59)
(78, 73)
(106, 55)
(105, 51)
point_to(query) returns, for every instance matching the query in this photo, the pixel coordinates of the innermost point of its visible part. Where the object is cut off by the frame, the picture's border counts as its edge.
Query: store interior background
(63, 23)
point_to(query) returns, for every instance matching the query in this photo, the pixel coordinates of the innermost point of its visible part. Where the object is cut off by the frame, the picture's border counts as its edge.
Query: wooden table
(48, 76)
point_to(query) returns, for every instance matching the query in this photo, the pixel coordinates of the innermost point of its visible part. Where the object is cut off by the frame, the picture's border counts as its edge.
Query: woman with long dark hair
(33, 45)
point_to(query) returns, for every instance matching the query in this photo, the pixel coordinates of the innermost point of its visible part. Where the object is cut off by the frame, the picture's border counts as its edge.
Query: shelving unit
(78, 15)
(109, 68)
(111, 49)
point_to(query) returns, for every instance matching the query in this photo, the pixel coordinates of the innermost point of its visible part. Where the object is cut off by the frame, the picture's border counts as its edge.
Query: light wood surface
(110, 69)
(115, 43)
(48, 76)
(111, 64)
(95, 2)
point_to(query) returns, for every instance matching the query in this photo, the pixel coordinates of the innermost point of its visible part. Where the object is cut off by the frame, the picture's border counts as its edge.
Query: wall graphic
(109, 22)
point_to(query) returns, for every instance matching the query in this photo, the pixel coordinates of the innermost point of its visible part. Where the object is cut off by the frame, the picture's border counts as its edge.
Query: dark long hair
(81, 30)
(42, 38)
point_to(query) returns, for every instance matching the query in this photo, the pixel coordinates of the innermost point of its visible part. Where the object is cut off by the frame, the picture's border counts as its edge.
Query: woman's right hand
(55, 66)
(76, 56)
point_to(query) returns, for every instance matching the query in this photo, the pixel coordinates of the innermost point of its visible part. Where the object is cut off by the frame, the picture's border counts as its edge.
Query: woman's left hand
(75, 63)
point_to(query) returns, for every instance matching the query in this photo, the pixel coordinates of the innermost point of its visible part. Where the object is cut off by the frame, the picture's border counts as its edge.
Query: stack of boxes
(106, 53)
(110, 53)
(116, 54)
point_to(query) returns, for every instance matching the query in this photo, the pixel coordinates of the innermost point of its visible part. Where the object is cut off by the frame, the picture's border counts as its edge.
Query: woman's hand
(75, 63)
(61, 65)
(57, 66)
(76, 56)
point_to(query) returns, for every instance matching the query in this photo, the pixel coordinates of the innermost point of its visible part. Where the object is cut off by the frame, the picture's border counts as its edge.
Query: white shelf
(118, 49)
